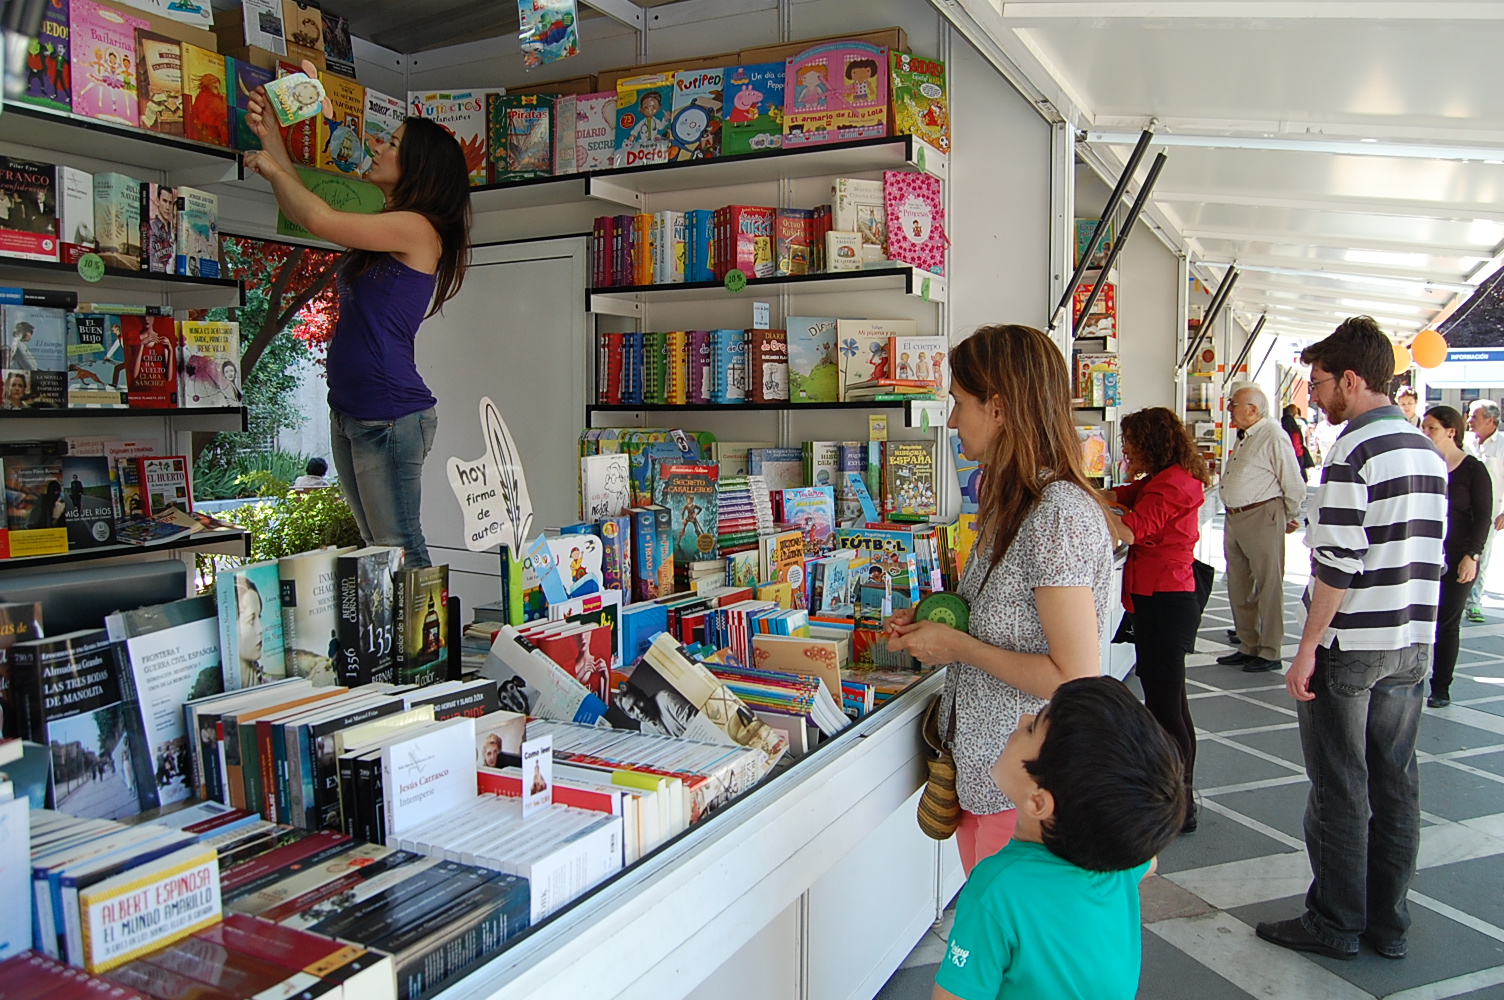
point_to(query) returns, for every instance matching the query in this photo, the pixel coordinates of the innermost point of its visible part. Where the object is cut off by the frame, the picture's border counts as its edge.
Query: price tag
(91, 267)
(762, 316)
(736, 280)
(924, 420)
(919, 155)
(924, 289)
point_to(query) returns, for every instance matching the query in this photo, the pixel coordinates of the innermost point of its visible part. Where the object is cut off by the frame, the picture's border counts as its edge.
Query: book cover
(792, 246)
(34, 357)
(520, 136)
(29, 229)
(117, 220)
(920, 359)
(915, 220)
(813, 371)
(68, 689)
(211, 364)
(968, 476)
(250, 634)
(1084, 229)
(920, 107)
(695, 115)
(263, 25)
(748, 241)
(1096, 459)
(605, 486)
(382, 116)
(428, 773)
(421, 600)
(241, 80)
(783, 561)
(643, 104)
(104, 76)
(909, 479)
(595, 131)
(834, 93)
(754, 109)
(159, 82)
(19, 622)
(577, 560)
(365, 626)
(171, 656)
(863, 351)
(164, 483)
(532, 683)
(196, 242)
(206, 108)
(857, 206)
(339, 50)
(644, 554)
(49, 75)
(149, 906)
(779, 468)
(812, 509)
(151, 351)
(159, 228)
(566, 110)
(615, 534)
(75, 214)
(89, 501)
(35, 507)
(340, 128)
(720, 714)
(769, 380)
(122, 456)
(463, 113)
(309, 596)
(689, 493)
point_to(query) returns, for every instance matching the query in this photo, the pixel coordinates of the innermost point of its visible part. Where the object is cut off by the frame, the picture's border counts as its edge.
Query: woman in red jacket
(1160, 523)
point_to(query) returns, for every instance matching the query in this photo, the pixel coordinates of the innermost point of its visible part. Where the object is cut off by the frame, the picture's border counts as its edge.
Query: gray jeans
(380, 464)
(1363, 815)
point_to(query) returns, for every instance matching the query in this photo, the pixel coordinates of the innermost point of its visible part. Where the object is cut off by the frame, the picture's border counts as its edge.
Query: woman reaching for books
(402, 265)
(1040, 579)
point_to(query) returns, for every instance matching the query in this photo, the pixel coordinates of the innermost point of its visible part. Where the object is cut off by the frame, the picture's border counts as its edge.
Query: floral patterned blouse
(1063, 542)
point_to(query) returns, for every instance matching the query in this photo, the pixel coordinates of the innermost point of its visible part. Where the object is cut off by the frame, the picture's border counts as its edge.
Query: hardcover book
(643, 105)
(695, 117)
(812, 509)
(920, 359)
(421, 598)
(104, 77)
(858, 206)
(29, 230)
(863, 351)
(49, 75)
(813, 372)
(689, 494)
(605, 486)
(75, 214)
(196, 241)
(463, 113)
(164, 483)
(366, 623)
(159, 82)
(211, 364)
(909, 479)
(835, 93)
(309, 595)
(88, 500)
(241, 80)
(920, 107)
(916, 220)
(151, 352)
(117, 220)
(34, 356)
(595, 131)
(520, 138)
(754, 109)
(383, 116)
(171, 655)
(206, 88)
(250, 636)
(340, 128)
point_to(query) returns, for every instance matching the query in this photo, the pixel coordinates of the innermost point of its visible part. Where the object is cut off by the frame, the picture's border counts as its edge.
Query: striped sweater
(1380, 517)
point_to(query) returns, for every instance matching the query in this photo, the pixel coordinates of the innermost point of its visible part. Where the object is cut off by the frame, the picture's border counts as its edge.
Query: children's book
(340, 127)
(29, 229)
(206, 89)
(88, 501)
(595, 131)
(920, 359)
(780, 468)
(858, 206)
(643, 106)
(689, 493)
(421, 597)
(117, 220)
(812, 509)
(1084, 229)
(159, 228)
(159, 82)
(695, 118)
(792, 246)
(813, 372)
(164, 483)
(768, 367)
(151, 352)
(1095, 456)
(782, 561)
(566, 109)
(863, 349)
(383, 116)
(916, 220)
(968, 476)
(197, 243)
(96, 361)
(241, 80)
(75, 214)
(575, 565)
(49, 82)
(463, 113)
(211, 364)
(920, 107)
(908, 473)
(104, 75)
(34, 357)
(520, 136)
(753, 109)
(605, 486)
(834, 93)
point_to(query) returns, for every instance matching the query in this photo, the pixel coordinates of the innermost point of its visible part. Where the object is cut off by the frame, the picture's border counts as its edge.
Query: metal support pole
(1128, 224)
(1212, 308)
(1253, 376)
(1247, 347)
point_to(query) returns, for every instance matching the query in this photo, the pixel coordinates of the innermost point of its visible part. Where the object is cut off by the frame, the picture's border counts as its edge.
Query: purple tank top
(372, 373)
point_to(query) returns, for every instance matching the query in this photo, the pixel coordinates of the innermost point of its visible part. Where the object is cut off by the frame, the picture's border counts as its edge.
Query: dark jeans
(1363, 814)
(1164, 631)
(380, 465)
(1448, 623)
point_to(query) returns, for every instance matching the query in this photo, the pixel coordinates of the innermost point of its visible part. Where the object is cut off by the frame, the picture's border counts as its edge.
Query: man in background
(1263, 488)
(1486, 444)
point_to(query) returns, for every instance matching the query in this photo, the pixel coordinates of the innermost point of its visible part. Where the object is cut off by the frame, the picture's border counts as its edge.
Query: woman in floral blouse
(1039, 581)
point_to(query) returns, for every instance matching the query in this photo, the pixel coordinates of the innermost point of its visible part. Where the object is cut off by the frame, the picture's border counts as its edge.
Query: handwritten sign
(492, 490)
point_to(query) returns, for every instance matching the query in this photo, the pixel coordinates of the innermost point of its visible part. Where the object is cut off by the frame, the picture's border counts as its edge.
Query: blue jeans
(1363, 815)
(380, 465)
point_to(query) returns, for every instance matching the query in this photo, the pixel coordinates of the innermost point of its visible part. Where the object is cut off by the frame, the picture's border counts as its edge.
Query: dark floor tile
(1282, 743)
(1218, 841)
(1281, 806)
(1276, 695)
(1438, 735)
(1458, 795)
(1225, 678)
(1485, 645)
(1467, 686)
(1439, 949)
(1218, 764)
(1488, 993)
(1170, 974)
(1490, 762)
(1470, 886)
(915, 983)
(1222, 713)
(1492, 708)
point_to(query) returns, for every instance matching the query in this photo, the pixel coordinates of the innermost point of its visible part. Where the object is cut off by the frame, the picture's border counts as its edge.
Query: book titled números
(150, 906)
(433, 771)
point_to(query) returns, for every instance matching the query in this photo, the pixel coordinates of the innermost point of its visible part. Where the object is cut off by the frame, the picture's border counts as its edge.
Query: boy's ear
(1039, 805)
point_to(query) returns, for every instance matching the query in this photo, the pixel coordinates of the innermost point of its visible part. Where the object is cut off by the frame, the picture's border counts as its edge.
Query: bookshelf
(627, 300)
(234, 542)
(208, 418)
(181, 160)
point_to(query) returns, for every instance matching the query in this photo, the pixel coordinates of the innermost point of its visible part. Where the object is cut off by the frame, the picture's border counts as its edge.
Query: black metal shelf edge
(907, 273)
(744, 407)
(120, 131)
(186, 280)
(124, 411)
(196, 540)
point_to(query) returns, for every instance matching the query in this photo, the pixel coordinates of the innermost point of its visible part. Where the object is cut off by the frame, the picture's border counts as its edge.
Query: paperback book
(159, 82)
(96, 361)
(383, 116)
(366, 626)
(463, 113)
(250, 633)
(117, 220)
(164, 484)
(74, 191)
(689, 493)
(309, 595)
(920, 106)
(49, 71)
(643, 105)
(520, 136)
(159, 228)
(104, 84)
(151, 352)
(19, 621)
(421, 598)
(196, 245)
(813, 372)
(695, 117)
(206, 88)
(211, 364)
(754, 109)
(595, 131)
(34, 357)
(88, 500)
(29, 230)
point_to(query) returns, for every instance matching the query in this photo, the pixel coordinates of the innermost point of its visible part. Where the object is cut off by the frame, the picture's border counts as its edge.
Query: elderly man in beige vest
(1263, 489)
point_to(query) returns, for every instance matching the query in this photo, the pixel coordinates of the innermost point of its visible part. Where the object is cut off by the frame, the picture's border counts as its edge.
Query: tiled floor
(1247, 862)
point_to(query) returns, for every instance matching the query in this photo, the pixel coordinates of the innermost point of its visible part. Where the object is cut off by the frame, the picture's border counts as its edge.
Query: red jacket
(1162, 514)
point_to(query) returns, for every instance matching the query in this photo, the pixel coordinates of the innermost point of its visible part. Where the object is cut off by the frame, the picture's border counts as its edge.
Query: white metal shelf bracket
(618, 194)
(624, 11)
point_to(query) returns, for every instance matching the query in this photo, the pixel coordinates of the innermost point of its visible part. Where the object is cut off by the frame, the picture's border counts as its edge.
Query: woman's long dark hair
(1024, 372)
(435, 183)
(1161, 440)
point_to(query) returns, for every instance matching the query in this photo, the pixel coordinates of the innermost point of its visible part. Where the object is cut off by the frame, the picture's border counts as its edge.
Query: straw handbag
(939, 806)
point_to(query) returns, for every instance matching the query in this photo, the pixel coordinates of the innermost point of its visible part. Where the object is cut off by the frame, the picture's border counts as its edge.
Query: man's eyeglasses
(1322, 381)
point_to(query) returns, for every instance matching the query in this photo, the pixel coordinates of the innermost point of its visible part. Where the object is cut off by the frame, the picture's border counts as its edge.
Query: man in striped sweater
(1376, 563)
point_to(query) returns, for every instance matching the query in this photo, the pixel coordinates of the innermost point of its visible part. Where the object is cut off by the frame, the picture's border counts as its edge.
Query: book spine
(427, 968)
(347, 627)
(401, 622)
(365, 800)
(346, 767)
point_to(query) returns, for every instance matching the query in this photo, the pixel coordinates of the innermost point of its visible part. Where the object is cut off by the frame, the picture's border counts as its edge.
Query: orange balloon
(1401, 359)
(1429, 348)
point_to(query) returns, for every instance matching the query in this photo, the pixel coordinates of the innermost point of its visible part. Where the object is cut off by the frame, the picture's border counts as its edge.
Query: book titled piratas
(149, 906)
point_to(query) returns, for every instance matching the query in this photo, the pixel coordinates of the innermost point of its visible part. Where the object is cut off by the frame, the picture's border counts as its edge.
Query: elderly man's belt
(1239, 510)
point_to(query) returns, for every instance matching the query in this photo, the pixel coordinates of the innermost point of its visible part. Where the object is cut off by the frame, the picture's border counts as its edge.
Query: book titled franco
(429, 773)
(149, 906)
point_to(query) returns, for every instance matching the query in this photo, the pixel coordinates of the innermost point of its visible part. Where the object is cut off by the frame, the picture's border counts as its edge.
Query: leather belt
(1239, 510)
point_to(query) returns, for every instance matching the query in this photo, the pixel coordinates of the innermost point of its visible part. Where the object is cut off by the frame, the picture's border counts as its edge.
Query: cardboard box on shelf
(267, 59)
(895, 39)
(609, 78)
(574, 85)
(161, 25)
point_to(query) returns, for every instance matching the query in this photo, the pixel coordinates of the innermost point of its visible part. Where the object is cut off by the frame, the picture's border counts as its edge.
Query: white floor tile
(1229, 948)
(1254, 880)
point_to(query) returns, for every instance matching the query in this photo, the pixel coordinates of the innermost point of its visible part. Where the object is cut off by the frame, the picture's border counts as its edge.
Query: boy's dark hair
(1117, 780)
(1357, 346)
(316, 467)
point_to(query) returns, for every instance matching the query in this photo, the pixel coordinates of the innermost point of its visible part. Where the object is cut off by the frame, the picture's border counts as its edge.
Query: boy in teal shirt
(1054, 915)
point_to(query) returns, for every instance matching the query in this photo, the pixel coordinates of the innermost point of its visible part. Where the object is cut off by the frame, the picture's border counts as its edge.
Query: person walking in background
(1039, 581)
(1376, 563)
(1486, 444)
(1408, 403)
(1470, 506)
(1263, 488)
(1296, 428)
(1168, 480)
